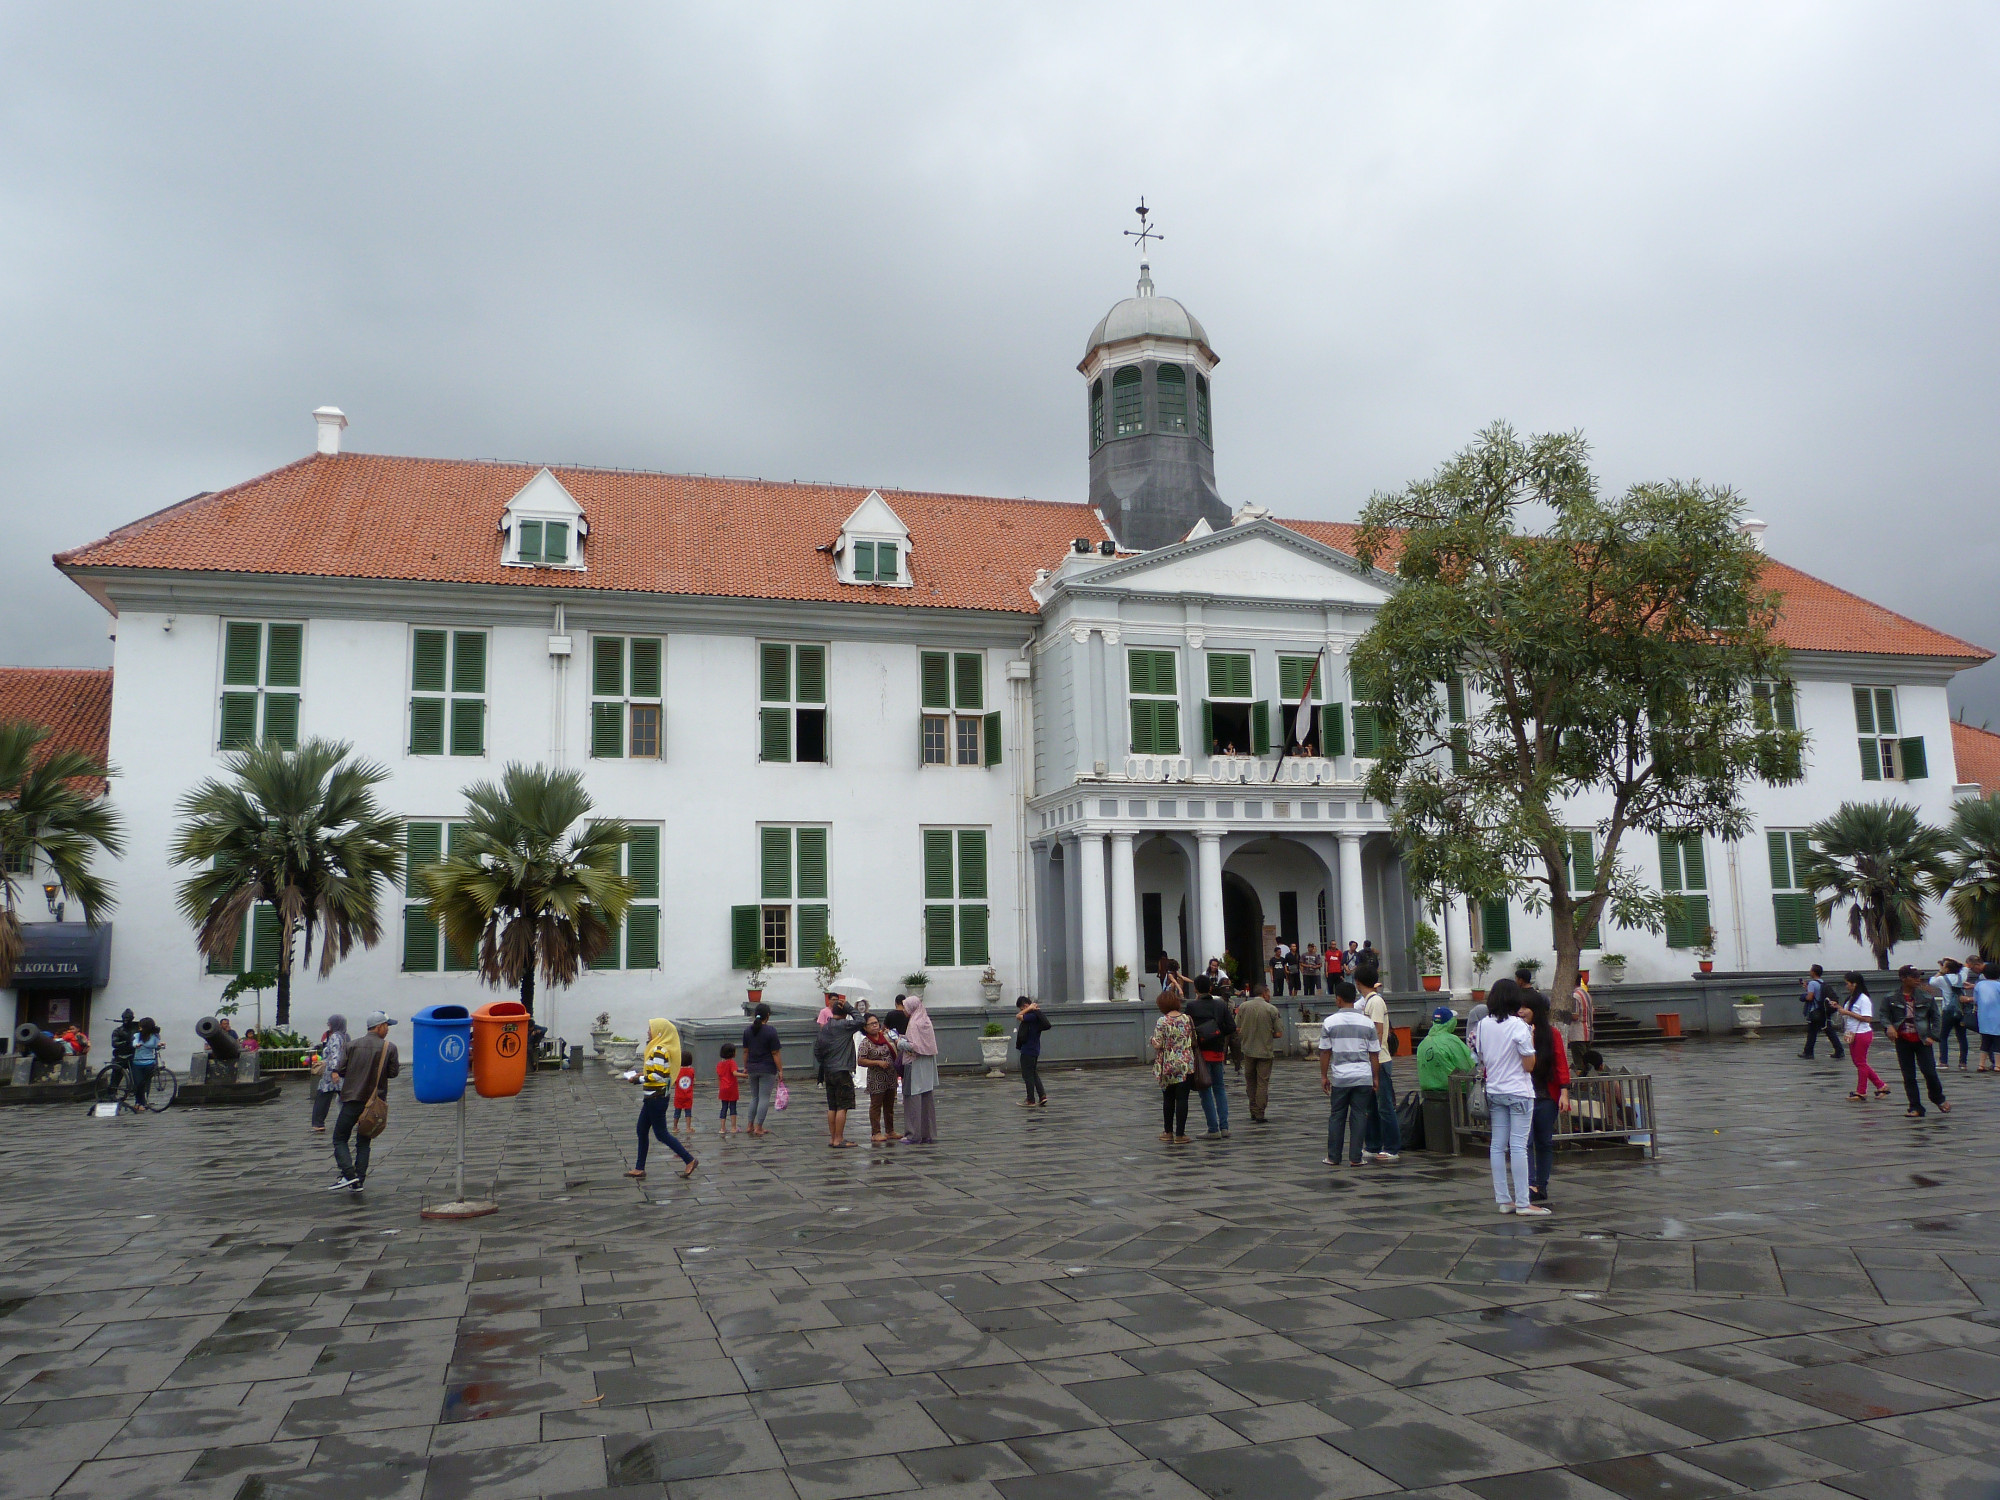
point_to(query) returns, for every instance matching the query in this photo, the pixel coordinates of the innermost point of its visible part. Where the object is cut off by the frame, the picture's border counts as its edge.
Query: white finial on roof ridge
(330, 419)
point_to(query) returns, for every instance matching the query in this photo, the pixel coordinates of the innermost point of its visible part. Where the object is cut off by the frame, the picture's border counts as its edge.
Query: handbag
(375, 1113)
(1201, 1076)
(783, 1096)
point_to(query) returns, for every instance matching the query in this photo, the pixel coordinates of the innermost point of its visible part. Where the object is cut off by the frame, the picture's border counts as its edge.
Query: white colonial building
(958, 733)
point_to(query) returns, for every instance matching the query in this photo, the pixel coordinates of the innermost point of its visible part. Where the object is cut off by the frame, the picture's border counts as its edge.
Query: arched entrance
(1242, 926)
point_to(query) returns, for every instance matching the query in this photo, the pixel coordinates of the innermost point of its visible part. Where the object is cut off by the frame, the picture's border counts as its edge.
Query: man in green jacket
(1440, 1054)
(1260, 1028)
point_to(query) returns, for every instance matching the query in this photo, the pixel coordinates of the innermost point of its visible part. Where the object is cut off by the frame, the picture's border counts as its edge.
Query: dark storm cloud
(1753, 245)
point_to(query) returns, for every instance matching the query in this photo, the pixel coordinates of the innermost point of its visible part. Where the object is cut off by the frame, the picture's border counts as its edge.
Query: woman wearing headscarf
(662, 1060)
(920, 1074)
(333, 1058)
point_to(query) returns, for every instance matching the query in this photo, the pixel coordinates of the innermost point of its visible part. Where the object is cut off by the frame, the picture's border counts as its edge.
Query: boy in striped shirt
(1349, 1055)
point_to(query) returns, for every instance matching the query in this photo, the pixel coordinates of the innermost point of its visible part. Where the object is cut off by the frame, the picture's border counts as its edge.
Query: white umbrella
(849, 987)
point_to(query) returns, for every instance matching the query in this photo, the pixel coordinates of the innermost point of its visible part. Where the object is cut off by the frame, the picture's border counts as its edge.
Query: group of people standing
(1921, 1018)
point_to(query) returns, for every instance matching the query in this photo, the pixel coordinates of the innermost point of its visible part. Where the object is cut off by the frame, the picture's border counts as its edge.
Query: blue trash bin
(442, 1042)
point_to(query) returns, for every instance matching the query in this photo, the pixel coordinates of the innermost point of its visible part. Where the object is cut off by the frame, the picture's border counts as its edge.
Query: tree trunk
(284, 1019)
(1562, 926)
(528, 984)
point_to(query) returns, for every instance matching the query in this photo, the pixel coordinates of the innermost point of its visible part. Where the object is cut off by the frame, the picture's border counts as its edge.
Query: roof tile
(73, 704)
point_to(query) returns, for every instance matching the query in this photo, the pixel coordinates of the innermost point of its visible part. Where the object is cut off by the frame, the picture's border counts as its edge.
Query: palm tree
(1972, 888)
(49, 816)
(301, 830)
(1878, 859)
(527, 887)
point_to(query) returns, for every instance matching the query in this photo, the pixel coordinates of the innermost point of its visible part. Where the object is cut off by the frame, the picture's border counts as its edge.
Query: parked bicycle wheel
(109, 1081)
(165, 1089)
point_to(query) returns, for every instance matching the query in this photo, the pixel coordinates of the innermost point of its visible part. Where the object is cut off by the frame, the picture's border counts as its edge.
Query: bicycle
(114, 1086)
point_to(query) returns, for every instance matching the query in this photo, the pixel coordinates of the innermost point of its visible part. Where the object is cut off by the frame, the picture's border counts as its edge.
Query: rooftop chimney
(331, 419)
(1753, 528)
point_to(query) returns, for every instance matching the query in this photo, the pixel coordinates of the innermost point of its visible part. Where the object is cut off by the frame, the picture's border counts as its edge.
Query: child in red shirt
(726, 1089)
(684, 1093)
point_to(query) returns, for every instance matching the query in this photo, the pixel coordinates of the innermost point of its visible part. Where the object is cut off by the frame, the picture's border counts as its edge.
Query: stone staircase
(1610, 1029)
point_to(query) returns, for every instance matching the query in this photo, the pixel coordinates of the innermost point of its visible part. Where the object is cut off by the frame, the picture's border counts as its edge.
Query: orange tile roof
(73, 704)
(359, 515)
(1978, 754)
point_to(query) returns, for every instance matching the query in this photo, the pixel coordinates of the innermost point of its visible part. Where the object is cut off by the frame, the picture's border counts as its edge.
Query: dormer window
(874, 546)
(543, 526)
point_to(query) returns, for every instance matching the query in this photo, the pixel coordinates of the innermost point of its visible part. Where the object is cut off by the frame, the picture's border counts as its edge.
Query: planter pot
(1749, 1017)
(1615, 975)
(1708, 966)
(991, 992)
(756, 995)
(1479, 997)
(597, 1040)
(993, 1052)
(621, 1055)
(1433, 982)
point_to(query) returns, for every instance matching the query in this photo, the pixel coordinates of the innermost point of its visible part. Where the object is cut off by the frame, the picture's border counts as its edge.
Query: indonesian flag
(1302, 719)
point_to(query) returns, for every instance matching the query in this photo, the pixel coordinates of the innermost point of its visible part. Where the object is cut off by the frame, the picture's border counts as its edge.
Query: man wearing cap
(1259, 1025)
(1440, 1054)
(371, 1053)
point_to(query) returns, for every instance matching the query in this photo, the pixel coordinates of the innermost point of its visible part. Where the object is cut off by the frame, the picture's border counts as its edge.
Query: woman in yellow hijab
(657, 1067)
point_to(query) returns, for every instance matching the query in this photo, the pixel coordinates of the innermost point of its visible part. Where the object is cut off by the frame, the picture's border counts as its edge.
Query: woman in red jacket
(1551, 1078)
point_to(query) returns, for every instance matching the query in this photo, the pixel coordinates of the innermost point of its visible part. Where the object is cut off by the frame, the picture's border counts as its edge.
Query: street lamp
(50, 892)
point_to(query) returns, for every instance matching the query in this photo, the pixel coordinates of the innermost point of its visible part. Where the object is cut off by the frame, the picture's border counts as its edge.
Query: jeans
(322, 1102)
(1384, 1133)
(652, 1122)
(763, 1089)
(1312, 984)
(1909, 1059)
(1173, 1107)
(1348, 1105)
(356, 1165)
(1957, 1024)
(1512, 1120)
(142, 1080)
(1257, 1085)
(1542, 1144)
(1215, 1098)
(1031, 1076)
(1814, 1028)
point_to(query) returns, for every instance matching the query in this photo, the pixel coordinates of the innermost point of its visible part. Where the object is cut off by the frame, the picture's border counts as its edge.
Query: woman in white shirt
(1859, 1030)
(1506, 1050)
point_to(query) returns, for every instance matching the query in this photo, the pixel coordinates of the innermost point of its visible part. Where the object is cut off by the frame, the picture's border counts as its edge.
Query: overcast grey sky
(1746, 244)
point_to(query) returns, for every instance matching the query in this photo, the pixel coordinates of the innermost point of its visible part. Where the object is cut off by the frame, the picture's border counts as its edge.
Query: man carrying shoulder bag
(364, 1100)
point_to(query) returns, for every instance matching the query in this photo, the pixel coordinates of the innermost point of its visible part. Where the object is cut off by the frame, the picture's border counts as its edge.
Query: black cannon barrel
(32, 1039)
(221, 1044)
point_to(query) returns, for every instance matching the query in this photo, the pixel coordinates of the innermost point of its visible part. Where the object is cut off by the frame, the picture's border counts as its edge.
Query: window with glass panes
(1201, 425)
(1170, 384)
(1128, 402)
(956, 730)
(1886, 754)
(635, 943)
(1792, 906)
(447, 692)
(1096, 415)
(790, 919)
(1684, 878)
(1234, 721)
(262, 666)
(1325, 732)
(625, 699)
(428, 842)
(956, 916)
(1154, 685)
(791, 702)
(257, 944)
(1582, 874)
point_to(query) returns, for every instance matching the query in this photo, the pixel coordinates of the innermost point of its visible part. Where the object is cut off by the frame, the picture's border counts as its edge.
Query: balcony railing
(1233, 770)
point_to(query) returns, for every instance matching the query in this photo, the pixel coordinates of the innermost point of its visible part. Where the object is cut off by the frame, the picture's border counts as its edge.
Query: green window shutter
(555, 542)
(1291, 677)
(937, 864)
(1228, 675)
(531, 541)
(812, 864)
(242, 654)
(1167, 726)
(427, 726)
(1871, 760)
(1782, 919)
(1582, 861)
(285, 657)
(613, 955)
(775, 673)
(264, 938)
(775, 741)
(1801, 847)
(1916, 766)
(468, 726)
(1808, 918)
(1454, 697)
(1207, 728)
(991, 736)
(420, 941)
(1142, 727)
(1786, 701)
(1260, 728)
(1139, 671)
(233, 964)
(972, 864)
(1864, 711)
(1778, 846)
(1693, 865)
(1670, 863)
(972, 924)
(642, 864)
(281, 719)
(777, 851)
(885, 562)
(1333, 730)
(427, 652)
(645, 667)
(812, 933)
(239, 721)
(1761, 711)
(423, 846)
(468, 662)
(864, 562)
(938, 936)
(1461, 751)
(607, 666)
(607, 730)
(812, 674)
(1152, 672)
(1496, 926)
(746, 935)
(1885, 710)
(1697, 918)
(1367, 731)
(969, 674)
(934, 673)
(642, 937)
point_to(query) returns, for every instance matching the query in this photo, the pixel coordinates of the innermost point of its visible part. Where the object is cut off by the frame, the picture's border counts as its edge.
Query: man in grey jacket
(1259, 1026)
(372, 1054)
(1916, 1010)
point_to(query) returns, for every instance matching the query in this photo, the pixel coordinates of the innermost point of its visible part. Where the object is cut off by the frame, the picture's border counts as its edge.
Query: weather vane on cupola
(1142, 235)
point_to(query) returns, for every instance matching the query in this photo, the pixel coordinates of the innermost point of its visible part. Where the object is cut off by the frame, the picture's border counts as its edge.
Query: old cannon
(223, 1060)
(40, 1058)
(222, 1043)
(38, 1044)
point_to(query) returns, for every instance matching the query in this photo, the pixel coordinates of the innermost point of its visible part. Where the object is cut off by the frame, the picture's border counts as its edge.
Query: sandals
(1858, 1098)
(1881, 1093)
(636, 1172)
(1913, 1114)
(688, 1170)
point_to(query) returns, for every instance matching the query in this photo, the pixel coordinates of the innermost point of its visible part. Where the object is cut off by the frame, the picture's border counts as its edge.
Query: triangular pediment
(544, 495)
(1256, 560)
(872, 517)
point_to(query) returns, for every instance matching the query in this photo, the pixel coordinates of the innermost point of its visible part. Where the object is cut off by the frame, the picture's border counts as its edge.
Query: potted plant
(760, 962)
(989, 984)
(1481, 962)
(600, 1032)
(1427, 953)
(1749, 1014)
(621, 1051)
(827, 964)
(1613, 965)
(915, 983)
(1121, 980)
(1532, 965)
(1705, 950)
(993, 1049)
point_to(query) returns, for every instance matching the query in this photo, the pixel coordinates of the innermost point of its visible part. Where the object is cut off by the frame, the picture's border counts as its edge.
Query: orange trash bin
(1669, 1023)
(1402, 1035)
(500, 1048)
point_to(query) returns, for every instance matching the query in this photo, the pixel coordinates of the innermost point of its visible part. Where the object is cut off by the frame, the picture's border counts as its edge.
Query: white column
(1353, 910)
(1458, 946)
(1090, 888)
(1208, 848)
(1124, 911)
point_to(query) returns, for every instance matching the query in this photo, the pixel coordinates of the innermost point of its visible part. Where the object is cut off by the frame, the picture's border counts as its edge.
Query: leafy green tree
(49, 817)
(1604, 656)
(1879, 860)
(300, 829)
(531, 885)
(1972, 886)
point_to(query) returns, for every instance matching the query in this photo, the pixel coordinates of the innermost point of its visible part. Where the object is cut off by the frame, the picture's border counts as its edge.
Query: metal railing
(1236, 770)
(1602, 1107)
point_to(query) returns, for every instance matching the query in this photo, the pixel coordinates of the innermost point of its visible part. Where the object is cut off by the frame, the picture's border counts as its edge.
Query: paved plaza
(1801, 1297)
